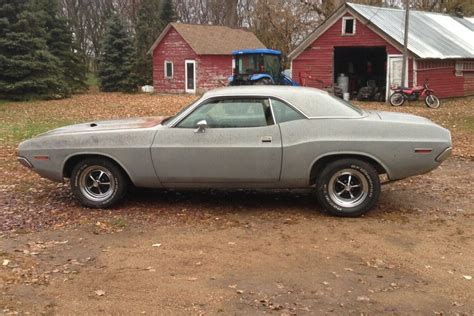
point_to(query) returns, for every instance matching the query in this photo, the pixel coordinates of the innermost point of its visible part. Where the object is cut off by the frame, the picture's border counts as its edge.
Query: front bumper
(25, 162)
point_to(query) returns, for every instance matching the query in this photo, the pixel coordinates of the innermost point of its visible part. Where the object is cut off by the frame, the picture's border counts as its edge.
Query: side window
(231, 113)
(284, 113)
(168, 69)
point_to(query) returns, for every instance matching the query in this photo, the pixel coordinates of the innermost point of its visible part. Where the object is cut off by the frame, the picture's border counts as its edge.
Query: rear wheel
(98, 183)
(432, 101)
(348, 187)
(397, 99)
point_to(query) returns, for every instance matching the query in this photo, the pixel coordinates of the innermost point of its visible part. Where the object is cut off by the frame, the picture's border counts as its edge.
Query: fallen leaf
(363, 299)
(100, 292)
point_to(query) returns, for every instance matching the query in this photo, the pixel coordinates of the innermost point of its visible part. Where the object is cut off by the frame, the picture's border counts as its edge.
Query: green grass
(22, 130)
(120, 222)
(3, 102)
(92, 80)
(468, 123)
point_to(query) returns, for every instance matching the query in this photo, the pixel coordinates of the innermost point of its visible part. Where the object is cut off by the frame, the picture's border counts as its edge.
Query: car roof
(311, 101)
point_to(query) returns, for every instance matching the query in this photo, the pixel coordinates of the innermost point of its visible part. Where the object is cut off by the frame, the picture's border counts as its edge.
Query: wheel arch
(73, 159)
(320, 162)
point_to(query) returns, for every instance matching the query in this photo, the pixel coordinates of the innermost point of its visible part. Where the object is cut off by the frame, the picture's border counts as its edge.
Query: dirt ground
(232, 252)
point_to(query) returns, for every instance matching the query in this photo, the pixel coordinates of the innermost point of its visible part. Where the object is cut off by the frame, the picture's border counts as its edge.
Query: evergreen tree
(60, 43)
(153, 17)
(117, 61)
(148, 28)
(27, 69)
(168, 14)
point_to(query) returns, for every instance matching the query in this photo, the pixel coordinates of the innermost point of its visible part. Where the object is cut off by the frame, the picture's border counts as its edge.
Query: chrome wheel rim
(97, 183)
(397, 99)
(432, 101)
(348, 188)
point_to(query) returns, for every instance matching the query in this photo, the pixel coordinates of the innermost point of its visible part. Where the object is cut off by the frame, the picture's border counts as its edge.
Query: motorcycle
(403, 94)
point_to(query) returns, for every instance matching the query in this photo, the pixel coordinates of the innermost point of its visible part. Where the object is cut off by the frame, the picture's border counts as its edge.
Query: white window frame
(186, 62)
(166, 69)
(459, 68)
(344, 20)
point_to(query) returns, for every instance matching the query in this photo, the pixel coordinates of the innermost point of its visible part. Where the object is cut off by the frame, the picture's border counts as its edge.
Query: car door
(241, 144)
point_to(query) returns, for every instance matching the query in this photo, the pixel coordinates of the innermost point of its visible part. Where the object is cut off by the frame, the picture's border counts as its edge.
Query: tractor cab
(258, 67)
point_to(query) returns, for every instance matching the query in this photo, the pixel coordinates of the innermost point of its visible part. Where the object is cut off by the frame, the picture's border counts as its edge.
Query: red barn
(365, 44)
(194, 58)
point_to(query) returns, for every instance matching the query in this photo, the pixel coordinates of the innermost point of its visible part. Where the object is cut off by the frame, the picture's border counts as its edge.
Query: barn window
(348, 26)
(168, 69)
(459, 69)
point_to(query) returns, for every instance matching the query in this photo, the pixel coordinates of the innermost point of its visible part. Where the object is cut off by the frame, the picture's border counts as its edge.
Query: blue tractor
(258, 67)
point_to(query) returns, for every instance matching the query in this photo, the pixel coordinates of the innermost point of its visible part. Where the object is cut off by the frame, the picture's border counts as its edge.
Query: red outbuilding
(194, 58)
(362, 45)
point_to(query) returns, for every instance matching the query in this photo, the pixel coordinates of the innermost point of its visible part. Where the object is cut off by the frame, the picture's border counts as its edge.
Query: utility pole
(405, 43)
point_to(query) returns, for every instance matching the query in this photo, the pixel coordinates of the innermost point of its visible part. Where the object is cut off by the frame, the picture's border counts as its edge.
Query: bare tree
(282, 24)
(460, 7)
(87, 19)
(217, 12)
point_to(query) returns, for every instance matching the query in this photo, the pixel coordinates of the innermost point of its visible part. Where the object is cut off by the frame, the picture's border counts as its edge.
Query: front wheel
(98, 183)
(348, 187)
(432, 101)
(397, 99)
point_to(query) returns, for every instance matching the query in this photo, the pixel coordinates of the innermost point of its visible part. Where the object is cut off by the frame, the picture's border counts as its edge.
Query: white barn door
(394, 72)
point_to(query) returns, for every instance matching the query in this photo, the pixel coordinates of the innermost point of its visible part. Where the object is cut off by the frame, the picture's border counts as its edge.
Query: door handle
(266, 139)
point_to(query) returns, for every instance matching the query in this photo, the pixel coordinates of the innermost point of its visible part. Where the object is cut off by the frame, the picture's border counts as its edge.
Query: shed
(365, 43)
(193, 58)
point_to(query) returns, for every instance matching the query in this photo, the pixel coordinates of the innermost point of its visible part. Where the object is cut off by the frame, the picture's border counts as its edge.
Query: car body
(247, 137)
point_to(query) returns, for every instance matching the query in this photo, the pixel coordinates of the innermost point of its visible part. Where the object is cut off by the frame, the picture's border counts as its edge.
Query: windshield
(246, 64)
(257, 63)
(271, 65)
(167, 121)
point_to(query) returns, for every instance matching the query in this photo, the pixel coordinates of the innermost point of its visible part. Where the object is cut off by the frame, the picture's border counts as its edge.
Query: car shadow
(213, 201)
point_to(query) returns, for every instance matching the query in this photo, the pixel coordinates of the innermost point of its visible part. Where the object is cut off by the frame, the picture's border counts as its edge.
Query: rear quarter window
(284, 112)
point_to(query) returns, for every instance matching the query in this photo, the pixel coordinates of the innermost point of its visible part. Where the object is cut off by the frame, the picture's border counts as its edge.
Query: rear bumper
(445, 154)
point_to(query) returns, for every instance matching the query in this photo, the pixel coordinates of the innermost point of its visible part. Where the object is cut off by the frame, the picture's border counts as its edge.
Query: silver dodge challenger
(244, 137)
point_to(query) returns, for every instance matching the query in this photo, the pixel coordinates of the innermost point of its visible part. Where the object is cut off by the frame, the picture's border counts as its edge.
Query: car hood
(97, 126)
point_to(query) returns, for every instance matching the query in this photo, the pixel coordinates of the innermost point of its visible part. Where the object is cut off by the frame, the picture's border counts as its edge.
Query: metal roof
(431, 35)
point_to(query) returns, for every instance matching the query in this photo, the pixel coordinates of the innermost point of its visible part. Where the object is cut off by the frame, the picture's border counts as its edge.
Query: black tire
(432, 101)
(89, 180)
(364, 188)
(263, 82)
(397, 99)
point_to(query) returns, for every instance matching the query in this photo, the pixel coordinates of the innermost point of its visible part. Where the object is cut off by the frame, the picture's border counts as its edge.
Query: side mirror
(201, 126)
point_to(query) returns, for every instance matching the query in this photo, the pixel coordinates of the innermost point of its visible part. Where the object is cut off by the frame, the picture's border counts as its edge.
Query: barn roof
(431, 35)
(212, 39)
